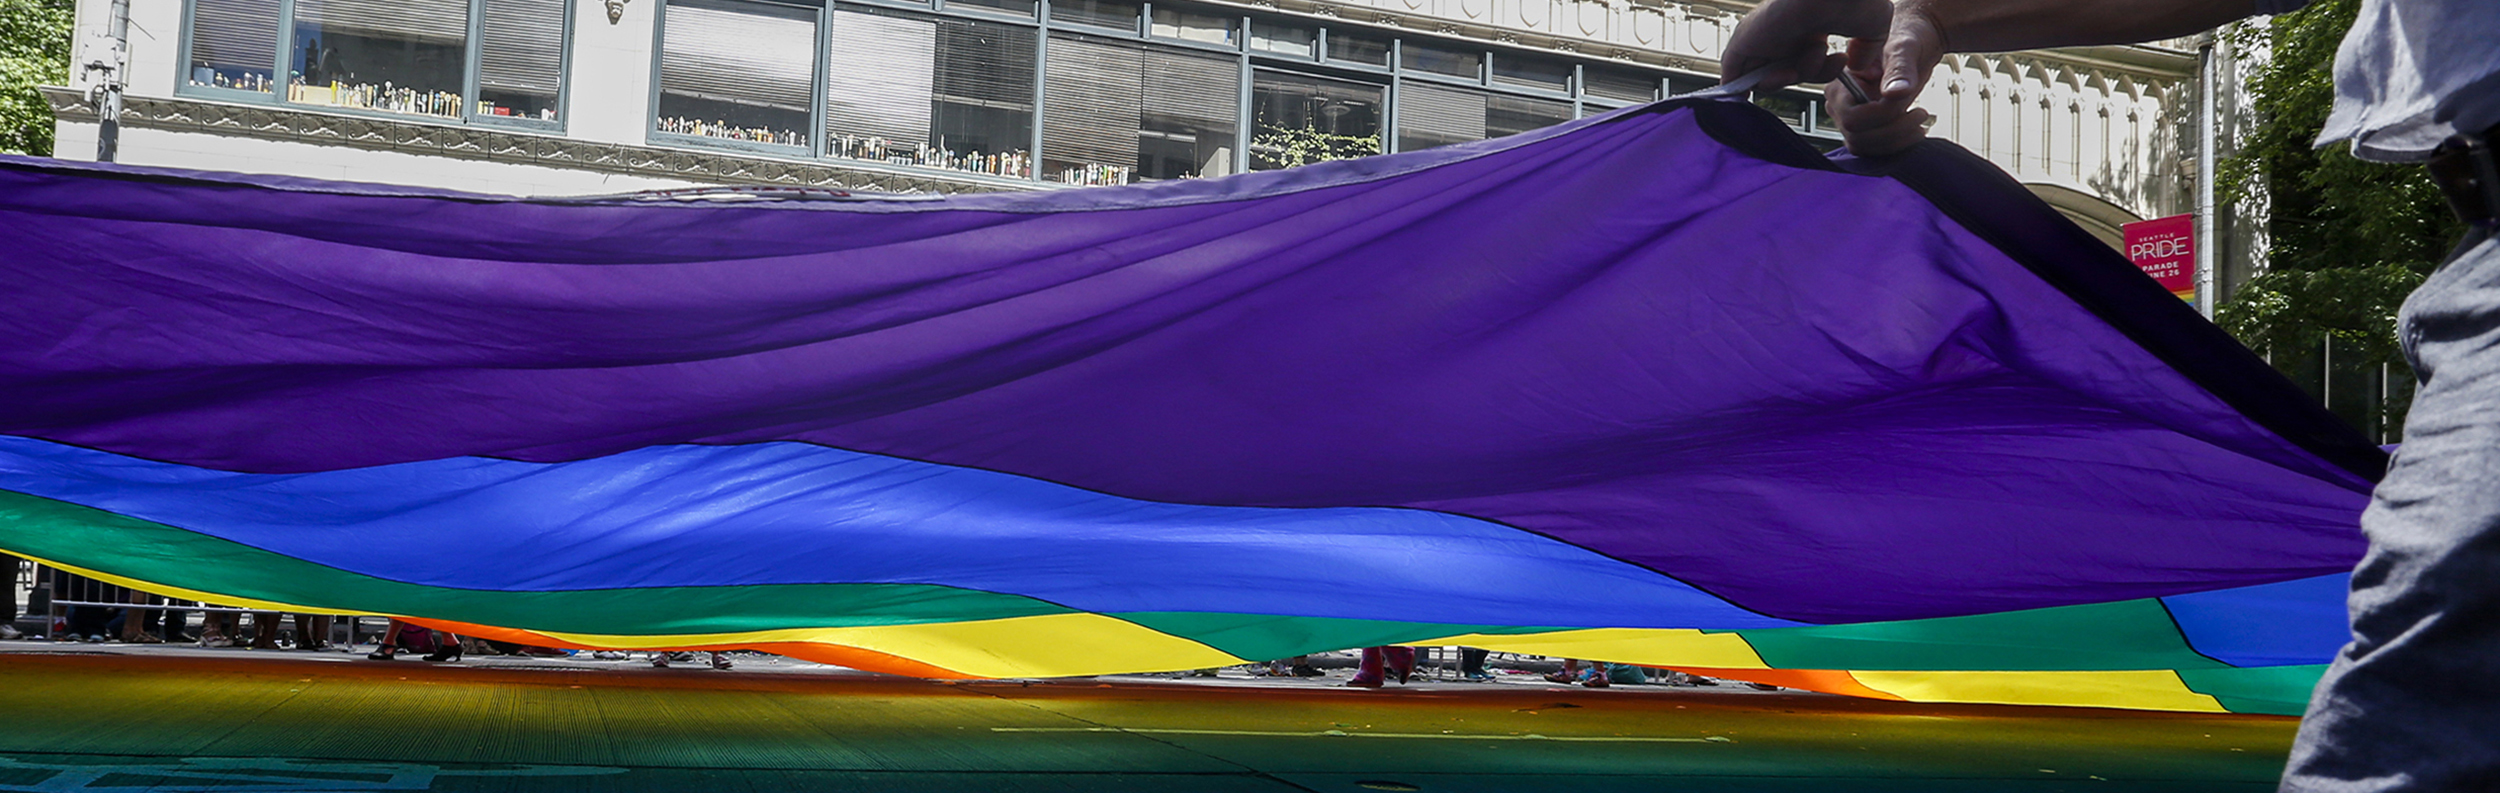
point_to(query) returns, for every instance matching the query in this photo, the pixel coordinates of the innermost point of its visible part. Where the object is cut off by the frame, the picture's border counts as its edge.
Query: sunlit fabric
(1661, 386)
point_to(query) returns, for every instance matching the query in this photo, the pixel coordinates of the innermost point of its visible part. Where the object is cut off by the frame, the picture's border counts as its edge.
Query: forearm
(2001, 25)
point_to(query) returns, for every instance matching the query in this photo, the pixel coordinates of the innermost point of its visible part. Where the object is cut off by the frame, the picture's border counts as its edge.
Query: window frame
(815, 125)
(472, 58)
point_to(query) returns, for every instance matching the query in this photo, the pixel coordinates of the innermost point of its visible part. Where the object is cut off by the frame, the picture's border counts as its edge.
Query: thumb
(1910, 53)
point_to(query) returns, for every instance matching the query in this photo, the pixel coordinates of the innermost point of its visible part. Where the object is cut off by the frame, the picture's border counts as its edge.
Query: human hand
(1888, 124)
(1790, 37)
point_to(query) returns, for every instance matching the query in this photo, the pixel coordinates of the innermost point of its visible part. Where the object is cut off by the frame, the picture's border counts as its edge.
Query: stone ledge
(301, 125)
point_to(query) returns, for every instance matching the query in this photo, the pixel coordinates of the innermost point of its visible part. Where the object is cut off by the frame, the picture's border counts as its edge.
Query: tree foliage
(2348, 239)
(34, 50)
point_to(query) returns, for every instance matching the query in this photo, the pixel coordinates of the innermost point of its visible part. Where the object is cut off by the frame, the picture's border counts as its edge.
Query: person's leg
(88, 622)
(1400, 660)
(265, 630)
(388, 646)
(2408, 705)
(1368, 674)
(446, 647)
(177, 622)
(134, 628)
(312, 631)
(217, 628)
(1471, 662)
(8, 597)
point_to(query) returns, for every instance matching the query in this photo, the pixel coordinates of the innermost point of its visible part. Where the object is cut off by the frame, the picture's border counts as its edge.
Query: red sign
(2165, 248)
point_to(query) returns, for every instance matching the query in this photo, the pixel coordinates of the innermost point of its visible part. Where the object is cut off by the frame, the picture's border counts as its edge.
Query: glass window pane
(1619, 84)
(1023, 8)
(1433, 115)
(1529, 71)
(396, 56)
(521, 59)
(915, 89)
(1511, 115)
(234, 43)
(737, 70)
(1357, 48)
(1300, 120)
(1795, 109)
(1174, 23)
(1120, 112)
(982, 118)
(1442, 60)
(1106, 13)
(1283, 39)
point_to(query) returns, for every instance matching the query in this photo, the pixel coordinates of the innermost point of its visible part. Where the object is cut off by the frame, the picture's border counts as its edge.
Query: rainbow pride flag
(1662, 386)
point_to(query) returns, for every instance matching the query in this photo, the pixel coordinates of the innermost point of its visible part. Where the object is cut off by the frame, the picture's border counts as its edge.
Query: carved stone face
(616, 11)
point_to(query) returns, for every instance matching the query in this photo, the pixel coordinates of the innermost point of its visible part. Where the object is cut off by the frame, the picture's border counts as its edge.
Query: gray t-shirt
(2412, 73)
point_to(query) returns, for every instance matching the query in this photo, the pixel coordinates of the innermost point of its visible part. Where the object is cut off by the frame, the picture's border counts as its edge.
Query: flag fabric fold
(1661, 386)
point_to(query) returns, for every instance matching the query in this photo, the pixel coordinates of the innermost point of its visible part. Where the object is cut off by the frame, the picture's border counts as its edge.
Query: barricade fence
(70, 606)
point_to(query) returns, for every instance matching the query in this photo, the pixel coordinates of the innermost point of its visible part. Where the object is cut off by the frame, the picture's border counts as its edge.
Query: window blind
(1119, 14)
(985, 64)
(737, 51)
(1093, 104)
(880, 76)
(1531, 72)
(1620, 85)
(239, 33)
(521, 46)
(1198, 91)
(1511, 115)
(1432, 115)
(438, 21)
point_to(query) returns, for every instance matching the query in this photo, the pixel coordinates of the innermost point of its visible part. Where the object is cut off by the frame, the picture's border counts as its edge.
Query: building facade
(593, 96)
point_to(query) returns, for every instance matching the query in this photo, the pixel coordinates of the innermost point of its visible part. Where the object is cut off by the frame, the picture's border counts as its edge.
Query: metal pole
(109, 104)
(2206, 293)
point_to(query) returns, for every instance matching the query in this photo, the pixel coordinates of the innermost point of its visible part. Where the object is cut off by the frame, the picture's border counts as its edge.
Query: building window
(1621, 85)
(1511, 115)
(737, 70)
(394, 56)
(915, 89)
(520, 73)
(1174, 23)
(1292, 41)
(1421, 57)
(409, 57)
(1022, 8)
(1116, 14)
(1433, 115)
(1120, 112)
(1529, 71)
(234, 44)
(1796, 109)
(1357, 48)
(1299, 119)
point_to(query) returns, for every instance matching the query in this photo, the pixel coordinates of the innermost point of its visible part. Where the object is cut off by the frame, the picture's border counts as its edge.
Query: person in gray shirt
(2413, 702)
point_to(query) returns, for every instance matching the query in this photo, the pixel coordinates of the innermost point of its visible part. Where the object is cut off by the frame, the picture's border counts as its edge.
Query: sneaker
(659, 660)
(720, 661)
(9, 632)
(95, 638)
(216, 641)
